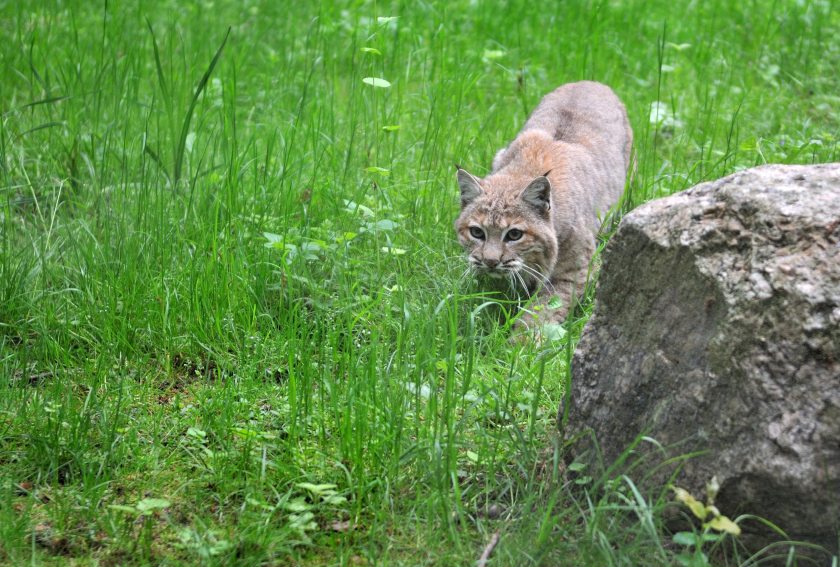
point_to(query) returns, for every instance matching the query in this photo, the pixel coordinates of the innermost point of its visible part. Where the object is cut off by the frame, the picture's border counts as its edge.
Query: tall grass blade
(158, 65)
(182, 138)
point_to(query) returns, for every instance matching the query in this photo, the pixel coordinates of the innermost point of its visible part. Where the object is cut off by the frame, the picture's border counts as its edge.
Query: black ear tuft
(470, 187)
(538, 193)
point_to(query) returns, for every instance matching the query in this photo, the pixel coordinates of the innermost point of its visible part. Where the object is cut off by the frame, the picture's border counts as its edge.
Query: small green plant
(714, 526)
(206, 545)
(144, 511)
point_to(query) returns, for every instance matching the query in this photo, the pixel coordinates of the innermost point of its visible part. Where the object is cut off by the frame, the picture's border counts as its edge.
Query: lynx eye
(513, 235)
(477, 233)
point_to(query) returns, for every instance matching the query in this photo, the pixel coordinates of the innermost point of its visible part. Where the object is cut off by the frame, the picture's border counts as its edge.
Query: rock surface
(717, 327)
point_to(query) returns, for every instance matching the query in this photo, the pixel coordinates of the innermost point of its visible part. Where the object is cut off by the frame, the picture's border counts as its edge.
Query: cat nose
(490, 263)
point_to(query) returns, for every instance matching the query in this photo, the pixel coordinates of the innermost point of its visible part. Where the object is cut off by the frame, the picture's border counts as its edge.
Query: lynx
(532, 223)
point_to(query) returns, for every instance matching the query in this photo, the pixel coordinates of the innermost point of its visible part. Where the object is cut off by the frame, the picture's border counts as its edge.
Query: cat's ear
(470, 188)
(538, 193)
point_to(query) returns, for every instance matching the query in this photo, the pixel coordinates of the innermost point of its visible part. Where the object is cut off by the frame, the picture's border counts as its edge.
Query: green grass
(210, 295)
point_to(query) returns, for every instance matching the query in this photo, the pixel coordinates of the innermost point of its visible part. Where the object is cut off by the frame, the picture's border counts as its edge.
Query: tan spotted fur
(554, 183)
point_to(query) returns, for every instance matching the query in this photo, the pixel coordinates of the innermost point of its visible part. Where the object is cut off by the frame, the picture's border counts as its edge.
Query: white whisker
(522, 282)
(469, 270)
(539, 277)
(511, 282)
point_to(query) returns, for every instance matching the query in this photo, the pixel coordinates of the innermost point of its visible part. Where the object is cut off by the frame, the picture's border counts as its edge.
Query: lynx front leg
(552, 304)
(554, 300)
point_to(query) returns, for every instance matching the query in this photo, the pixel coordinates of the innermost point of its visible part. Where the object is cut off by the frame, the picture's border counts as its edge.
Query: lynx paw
(531, 328)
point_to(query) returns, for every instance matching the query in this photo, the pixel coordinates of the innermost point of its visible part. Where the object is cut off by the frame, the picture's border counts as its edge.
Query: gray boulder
(717, 329)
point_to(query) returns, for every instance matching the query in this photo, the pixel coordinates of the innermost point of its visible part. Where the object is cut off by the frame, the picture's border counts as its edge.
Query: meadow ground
(233, 323)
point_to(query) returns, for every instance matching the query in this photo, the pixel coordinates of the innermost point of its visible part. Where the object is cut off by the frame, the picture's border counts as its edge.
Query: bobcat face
(507, 235)
(492, 250)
